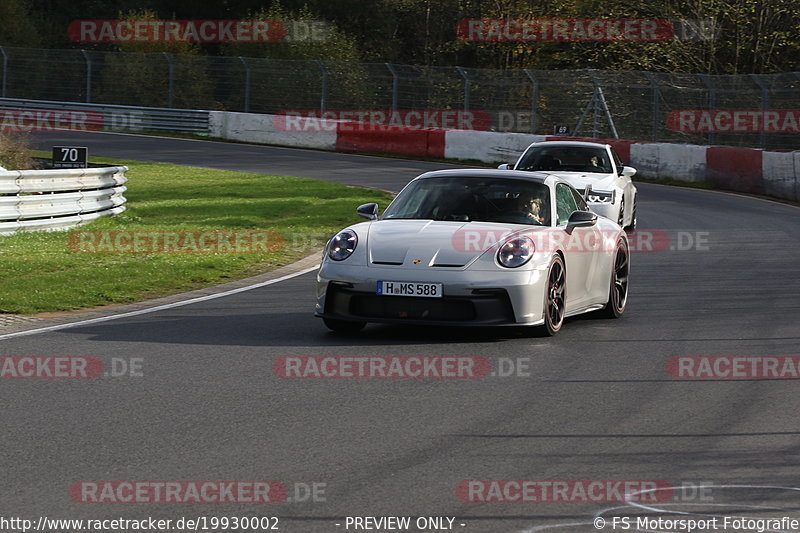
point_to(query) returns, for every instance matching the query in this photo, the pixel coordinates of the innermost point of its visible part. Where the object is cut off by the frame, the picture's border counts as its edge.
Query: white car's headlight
(598, 199)
(342, 245)
(515, 252)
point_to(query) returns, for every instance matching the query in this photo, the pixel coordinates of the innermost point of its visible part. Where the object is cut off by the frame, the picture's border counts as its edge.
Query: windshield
(473, 199)
(567, 159)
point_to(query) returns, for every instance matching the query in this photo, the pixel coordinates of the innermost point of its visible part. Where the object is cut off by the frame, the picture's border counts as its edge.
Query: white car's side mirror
(628, 171)
(504, 166)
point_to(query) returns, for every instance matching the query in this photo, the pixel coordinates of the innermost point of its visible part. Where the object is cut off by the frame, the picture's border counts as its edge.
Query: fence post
(595, 103)
(579, 125)
(602, 99)
(598, 104)
(534, 100)
(323, 98)
(168, 57)
(395, 85)
(464, 74)
(762, 135)
(88, 76)
(712, 102)
(247, 78)
(5, 71)
(655, 108)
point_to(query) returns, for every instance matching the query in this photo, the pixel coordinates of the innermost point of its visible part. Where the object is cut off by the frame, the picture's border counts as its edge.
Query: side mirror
(581, 219)
(368, 211)
(504, 166)
(627, 171)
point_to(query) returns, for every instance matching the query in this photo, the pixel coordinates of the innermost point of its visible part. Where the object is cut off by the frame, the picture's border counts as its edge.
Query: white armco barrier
(685, 162)
(749, 170)
(273, 129)
(59, 199)
(487, 146)
(780, 174)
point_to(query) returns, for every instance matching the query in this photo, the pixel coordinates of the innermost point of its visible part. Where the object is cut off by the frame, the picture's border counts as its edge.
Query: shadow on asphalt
(293, 329)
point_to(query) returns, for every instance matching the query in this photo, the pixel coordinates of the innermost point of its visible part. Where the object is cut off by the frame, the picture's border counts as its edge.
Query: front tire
(343, 326)
(618, 291)
(555, 297)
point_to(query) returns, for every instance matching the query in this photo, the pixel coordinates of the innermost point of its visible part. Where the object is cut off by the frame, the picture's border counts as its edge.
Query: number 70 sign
(70, 156)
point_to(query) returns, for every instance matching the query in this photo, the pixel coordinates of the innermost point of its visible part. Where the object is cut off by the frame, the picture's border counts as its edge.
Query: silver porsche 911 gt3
(475, 247)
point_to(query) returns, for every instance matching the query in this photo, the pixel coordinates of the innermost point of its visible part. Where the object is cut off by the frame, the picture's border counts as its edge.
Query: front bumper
(481, 298)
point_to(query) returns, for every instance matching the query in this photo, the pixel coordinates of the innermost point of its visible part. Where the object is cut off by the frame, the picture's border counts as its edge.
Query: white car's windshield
(473, 199)
(566, 159)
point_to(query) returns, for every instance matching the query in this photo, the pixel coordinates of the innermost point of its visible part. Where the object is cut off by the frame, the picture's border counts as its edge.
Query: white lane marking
(157, 308)
(662, 509)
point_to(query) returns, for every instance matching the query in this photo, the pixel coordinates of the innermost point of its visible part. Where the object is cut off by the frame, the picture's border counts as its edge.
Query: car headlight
(598, 199)
(342, 245)
(515, 252)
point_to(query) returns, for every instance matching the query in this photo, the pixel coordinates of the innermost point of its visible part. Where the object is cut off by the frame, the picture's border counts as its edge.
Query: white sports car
(592, 168)
(475, 247)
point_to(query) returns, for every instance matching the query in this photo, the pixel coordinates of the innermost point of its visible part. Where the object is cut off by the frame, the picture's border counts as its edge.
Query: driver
(531, 209)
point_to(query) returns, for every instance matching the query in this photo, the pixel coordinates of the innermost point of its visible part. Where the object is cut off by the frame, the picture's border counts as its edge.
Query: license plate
(406, 288)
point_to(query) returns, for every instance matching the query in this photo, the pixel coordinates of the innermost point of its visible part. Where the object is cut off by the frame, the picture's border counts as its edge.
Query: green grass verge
(42, 273)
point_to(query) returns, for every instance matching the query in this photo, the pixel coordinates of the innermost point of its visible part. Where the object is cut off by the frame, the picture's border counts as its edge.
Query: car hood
(580, 180)
(434, 243)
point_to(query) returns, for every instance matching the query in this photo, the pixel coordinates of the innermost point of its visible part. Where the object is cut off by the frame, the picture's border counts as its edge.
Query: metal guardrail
(105, 117)
(59, 199)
